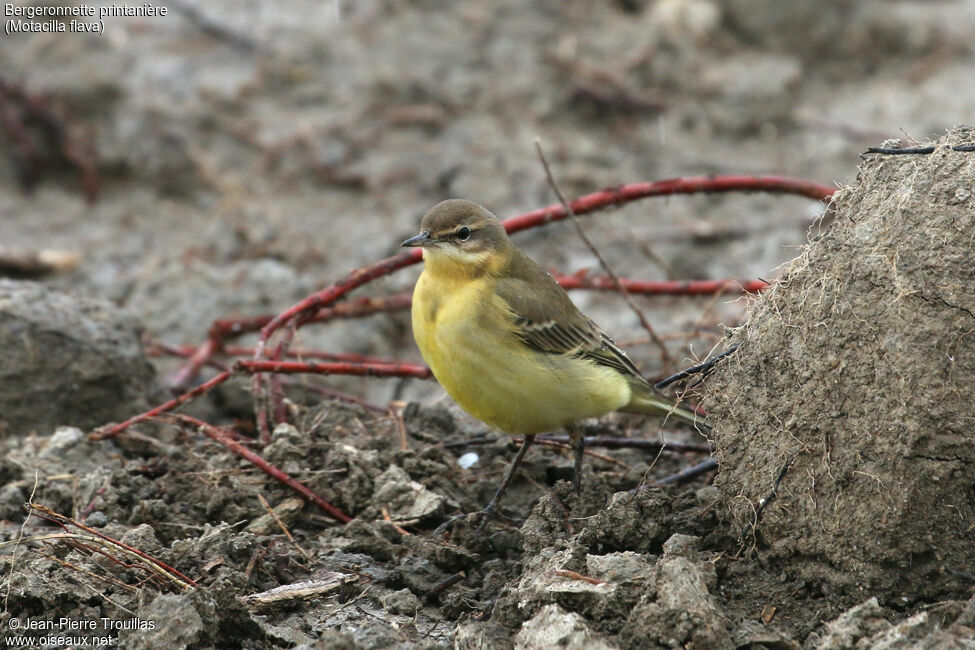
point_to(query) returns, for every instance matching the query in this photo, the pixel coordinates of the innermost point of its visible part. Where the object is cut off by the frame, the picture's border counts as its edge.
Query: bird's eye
(464, 234)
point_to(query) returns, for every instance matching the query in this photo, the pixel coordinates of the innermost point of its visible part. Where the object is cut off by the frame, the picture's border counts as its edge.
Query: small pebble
(402, 602)
(96, 519)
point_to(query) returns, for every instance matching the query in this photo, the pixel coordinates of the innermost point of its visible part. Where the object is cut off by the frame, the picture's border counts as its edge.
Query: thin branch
(299, 312)
(394, 369)
(160, 567)
(689, 473)
(155, 348)
(224, 438)
(606, 442)
(113, 430)
(661, 287)
(703, 369)
(432, 595)
(400, 369)
(682, 476)
(664, 354)
(915, 150)
(630, 192)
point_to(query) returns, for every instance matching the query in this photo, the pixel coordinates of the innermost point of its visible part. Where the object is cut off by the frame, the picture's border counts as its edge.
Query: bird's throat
(450, 265)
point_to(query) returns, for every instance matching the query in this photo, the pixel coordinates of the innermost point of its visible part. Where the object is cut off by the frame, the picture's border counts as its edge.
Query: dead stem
(665, 357)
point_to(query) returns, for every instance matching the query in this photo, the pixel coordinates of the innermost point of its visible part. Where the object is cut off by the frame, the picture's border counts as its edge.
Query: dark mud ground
(247, 156)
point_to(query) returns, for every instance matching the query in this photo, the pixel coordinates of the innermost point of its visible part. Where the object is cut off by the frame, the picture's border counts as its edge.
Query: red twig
(280, 408)
(223, 437)
(187, 351)
(196, 360)
(386, 369)
(271, 401)
(115, 429)
(690, 185)
(64, 521)
(327, 296)
(662, 288)
(303, 311)
(415, 370)
(224, 329)
(155, 348)
(359, 307)
(582, 205)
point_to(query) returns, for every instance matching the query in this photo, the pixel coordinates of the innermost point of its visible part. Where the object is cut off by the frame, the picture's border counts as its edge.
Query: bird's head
(460, 232)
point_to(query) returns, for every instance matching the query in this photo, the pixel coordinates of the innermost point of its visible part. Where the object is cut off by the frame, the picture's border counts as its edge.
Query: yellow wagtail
(506, 341)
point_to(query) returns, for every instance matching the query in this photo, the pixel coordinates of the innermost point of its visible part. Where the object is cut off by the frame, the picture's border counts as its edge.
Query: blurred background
(231, 157)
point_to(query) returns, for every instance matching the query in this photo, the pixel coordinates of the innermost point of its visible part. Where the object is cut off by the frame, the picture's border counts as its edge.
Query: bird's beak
(420, 240)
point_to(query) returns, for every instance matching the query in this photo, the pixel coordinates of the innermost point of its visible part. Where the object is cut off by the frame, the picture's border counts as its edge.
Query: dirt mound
(854, 385)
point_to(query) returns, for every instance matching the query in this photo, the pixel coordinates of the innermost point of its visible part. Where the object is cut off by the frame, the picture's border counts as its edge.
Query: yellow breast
(467, 337)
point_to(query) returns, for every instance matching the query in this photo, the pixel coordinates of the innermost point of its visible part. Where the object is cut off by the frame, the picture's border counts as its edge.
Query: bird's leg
(489, 511)
(496, 499)
(577, 441)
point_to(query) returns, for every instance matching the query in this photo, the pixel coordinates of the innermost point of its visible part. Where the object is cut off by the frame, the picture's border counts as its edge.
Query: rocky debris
(404, 498)
(660, 592)
(684, 581)
(553, 627)
(175, 621)
(868, 626)
(846, 630)
(67, 361)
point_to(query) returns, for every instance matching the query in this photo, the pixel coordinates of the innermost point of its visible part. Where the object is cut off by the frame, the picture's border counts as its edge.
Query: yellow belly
(492, 375)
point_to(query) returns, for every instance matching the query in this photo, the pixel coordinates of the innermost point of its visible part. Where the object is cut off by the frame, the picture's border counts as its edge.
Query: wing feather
(546, 319)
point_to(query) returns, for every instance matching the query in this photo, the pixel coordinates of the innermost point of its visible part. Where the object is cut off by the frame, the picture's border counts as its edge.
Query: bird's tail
(651, 402)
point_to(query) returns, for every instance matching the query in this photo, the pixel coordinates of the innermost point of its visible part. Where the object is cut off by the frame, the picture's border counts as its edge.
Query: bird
(508, 344)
